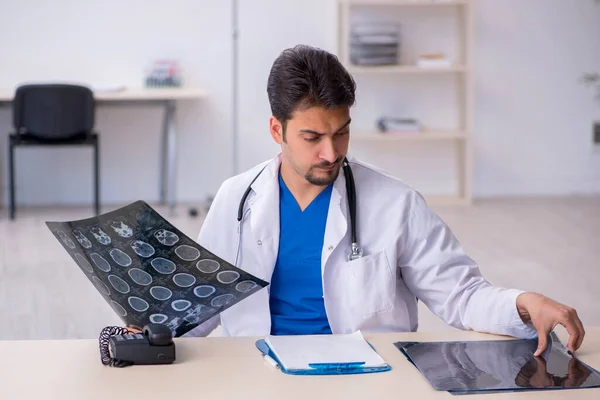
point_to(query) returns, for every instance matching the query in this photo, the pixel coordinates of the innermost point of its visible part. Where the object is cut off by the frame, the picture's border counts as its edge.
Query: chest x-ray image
(150, 272)
(502, 365)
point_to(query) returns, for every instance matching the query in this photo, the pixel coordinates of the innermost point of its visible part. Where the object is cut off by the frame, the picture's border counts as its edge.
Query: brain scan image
(118, 309)
(163, 266)
(120, 257)
(148, 271)
(187, 253)
(142, 249)
(222, 300)
(121, 229)
(158, 318)
(208, 266)
(161, 293)
(100, 262)
(245, 286)
(119, 284)
(184, 280)
(227, 277)
(85, 242)
(102, 288)
(204, 291)
(166, 237)
(66, 240)
(101, 236)
(138, 304)
(181, 305)
(83, 263)
(140, 277)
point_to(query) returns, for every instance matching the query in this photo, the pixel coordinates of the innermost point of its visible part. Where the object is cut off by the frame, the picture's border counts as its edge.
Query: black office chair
(53, 115)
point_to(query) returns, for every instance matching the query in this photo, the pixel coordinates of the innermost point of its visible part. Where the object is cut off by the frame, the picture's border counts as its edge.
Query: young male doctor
(296, 233)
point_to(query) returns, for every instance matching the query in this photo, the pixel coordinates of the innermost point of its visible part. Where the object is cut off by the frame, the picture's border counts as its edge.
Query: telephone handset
(153, 346)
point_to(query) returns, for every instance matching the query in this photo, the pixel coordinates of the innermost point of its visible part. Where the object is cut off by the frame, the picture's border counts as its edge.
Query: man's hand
(545, 314)
(133, 329)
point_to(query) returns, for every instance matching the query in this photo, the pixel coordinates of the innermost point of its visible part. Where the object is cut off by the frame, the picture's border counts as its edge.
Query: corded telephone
(153, 346)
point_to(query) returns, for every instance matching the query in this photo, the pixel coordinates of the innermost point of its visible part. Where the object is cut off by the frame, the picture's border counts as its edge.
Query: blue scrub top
(296, 297)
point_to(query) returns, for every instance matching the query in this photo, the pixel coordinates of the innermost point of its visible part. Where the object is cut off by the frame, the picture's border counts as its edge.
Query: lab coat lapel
(337, 219)
(264, 217)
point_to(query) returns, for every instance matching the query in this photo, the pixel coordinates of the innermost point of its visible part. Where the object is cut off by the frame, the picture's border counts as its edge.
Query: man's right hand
(544, 314)
(132, 329)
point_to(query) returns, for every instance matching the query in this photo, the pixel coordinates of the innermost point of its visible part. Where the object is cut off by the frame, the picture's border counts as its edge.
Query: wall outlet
(596, 132)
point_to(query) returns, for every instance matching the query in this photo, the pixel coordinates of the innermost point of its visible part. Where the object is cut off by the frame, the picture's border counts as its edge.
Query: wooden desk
(230, 368)
(165, 97)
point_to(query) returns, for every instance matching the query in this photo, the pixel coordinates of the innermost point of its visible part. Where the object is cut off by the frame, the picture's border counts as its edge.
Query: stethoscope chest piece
(355, 253)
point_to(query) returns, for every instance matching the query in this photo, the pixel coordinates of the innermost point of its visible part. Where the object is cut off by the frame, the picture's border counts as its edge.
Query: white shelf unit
(460, 71)
(404, 69)
(407, 2)
(408, 137)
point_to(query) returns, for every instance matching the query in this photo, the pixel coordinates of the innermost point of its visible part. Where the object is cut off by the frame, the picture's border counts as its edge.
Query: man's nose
(328, 152)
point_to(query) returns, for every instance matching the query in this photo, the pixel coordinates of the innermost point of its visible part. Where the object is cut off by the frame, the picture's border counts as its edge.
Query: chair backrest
(53, 111)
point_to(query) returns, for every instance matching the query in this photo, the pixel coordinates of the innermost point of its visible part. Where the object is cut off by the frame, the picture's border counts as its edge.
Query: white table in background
(165, 97)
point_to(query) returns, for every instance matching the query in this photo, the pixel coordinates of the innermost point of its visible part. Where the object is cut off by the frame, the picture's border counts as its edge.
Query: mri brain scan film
(149, 271)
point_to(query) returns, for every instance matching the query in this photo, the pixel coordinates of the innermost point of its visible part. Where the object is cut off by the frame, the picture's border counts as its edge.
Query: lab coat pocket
(371, 284)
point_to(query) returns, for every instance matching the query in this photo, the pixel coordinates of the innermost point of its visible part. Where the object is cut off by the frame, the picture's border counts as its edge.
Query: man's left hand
(545, 314)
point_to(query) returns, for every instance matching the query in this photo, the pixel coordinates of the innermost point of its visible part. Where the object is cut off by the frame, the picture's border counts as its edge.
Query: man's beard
(326, 180)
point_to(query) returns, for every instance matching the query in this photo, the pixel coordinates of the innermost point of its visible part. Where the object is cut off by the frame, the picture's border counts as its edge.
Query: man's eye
(311, 139)
(343, 133)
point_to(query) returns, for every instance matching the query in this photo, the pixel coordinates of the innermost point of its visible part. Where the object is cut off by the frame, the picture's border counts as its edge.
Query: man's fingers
(573, 335)
(569, 320)
(581, 331)
(542, 343)
(133, 329)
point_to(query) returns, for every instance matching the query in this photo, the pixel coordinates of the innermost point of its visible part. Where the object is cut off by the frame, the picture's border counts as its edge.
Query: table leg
(164, 154)
(168, 156)
(171, 138)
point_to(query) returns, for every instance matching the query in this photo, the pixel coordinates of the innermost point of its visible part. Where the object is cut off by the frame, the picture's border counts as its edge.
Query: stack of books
(398, 125)
(373, 45)
(436, 60)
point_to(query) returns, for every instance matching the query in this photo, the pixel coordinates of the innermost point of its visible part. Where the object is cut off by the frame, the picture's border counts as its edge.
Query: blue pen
(337, 366)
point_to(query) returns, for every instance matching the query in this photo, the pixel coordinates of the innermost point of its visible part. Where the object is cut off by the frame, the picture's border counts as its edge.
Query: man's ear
(276, 129)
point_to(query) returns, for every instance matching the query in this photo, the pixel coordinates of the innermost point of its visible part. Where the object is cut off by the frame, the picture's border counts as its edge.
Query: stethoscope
(355, 251)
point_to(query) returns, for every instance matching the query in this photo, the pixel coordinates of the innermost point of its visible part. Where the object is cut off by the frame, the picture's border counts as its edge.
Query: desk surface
(133, 94)
(231, 368)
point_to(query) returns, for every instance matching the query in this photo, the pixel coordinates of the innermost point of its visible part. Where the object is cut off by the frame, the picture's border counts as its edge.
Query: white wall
(112, 42)
(532, 125)
(266, 28)
(533, 118)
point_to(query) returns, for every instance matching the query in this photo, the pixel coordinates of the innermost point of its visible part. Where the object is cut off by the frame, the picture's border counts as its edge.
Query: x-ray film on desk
(498, 366)
(150, 272)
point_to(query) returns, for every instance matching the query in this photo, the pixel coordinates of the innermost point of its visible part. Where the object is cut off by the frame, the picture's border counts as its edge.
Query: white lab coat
(409, 253)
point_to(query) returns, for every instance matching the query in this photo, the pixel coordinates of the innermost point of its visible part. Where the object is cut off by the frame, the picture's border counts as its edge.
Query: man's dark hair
(304, 77)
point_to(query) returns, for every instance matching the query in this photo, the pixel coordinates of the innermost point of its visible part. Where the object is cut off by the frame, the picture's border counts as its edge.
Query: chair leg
(96, 176)
(11, 169)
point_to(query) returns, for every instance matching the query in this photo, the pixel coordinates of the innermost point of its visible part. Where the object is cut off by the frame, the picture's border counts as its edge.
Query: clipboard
(322, 369)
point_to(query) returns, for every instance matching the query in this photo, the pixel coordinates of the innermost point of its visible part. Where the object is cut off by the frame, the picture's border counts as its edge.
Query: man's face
(316, 142)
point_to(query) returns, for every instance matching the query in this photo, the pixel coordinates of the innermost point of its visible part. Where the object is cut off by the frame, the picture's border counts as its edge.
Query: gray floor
(550, 246)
